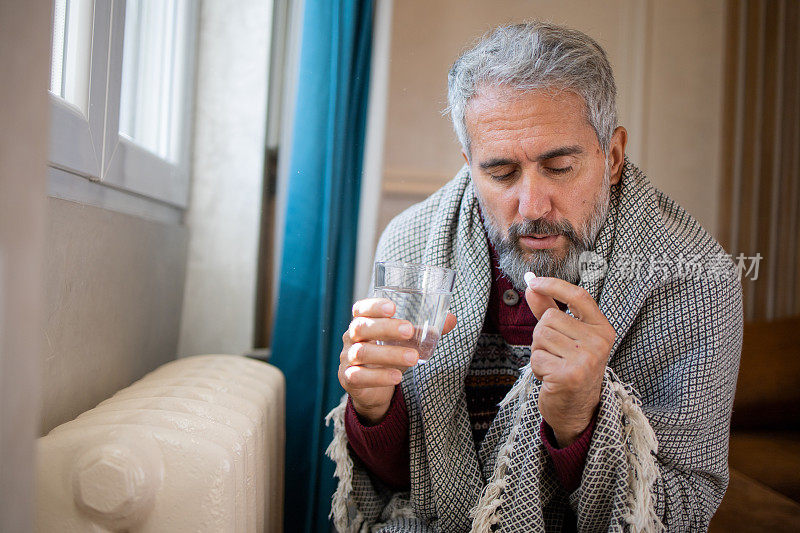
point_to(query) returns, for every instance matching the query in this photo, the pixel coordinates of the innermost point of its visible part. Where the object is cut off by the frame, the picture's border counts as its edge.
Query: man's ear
(616, 153)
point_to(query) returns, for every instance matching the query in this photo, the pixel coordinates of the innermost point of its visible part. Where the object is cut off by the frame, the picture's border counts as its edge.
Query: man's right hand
(369, 372)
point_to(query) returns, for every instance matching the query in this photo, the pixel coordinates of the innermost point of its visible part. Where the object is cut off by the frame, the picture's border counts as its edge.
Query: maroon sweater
(384, 448)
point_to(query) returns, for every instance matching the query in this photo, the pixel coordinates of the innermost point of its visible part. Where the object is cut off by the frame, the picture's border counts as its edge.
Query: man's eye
(562, 170)
(501, 177)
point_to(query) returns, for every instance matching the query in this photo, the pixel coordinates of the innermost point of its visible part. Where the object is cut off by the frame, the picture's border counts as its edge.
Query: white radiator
(196, 445)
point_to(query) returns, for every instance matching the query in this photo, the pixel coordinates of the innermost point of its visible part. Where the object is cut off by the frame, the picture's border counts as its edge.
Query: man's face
(541, 177)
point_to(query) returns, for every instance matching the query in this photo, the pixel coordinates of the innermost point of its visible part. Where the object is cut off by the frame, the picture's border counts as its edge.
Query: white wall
(684, 103)
(114, 286)
(228, 162)
(24, 64)
(668, 63)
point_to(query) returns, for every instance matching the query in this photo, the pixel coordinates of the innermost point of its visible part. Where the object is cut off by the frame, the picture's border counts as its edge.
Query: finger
(555, 342)
(380, 329)
(398, 357)
(539, 303)
(591, 337)
(544, 364)
(449, 323)
(374, 307)
(360, 377)
(562, 322)
(579, 301)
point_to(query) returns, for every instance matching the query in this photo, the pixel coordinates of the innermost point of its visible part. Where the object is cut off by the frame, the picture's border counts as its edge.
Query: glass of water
(421, 294)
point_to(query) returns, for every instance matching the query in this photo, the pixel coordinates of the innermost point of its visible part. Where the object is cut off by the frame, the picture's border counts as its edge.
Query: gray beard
(514, 262)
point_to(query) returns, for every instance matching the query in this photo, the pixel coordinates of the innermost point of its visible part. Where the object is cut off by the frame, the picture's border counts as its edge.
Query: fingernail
(406, 330)
(529, 278)
(397, 377)
(388, 307)
(410, 357)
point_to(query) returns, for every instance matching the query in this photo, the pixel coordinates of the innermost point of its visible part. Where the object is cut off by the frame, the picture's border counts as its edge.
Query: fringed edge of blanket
(486, 512)
(337, 451)
(640, 440)
(641, 446)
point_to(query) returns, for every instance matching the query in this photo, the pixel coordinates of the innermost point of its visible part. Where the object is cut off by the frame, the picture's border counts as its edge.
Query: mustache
(541, 226)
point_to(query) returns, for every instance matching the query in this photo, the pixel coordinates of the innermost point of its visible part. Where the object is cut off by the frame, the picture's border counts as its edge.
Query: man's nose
(534, 199)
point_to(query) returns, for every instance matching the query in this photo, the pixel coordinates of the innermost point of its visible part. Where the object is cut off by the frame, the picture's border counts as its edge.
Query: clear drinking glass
(421, 294)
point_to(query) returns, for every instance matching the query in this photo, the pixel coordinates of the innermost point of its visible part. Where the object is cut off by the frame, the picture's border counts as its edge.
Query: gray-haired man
(615, 391)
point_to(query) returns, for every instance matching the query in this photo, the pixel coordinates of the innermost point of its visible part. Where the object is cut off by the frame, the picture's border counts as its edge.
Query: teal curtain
(316, 282)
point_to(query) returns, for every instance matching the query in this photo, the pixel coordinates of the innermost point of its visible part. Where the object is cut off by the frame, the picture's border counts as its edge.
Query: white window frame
(89, 145)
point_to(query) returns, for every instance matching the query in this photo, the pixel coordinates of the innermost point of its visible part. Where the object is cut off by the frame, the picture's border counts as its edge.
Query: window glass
(154, 72)
(72, 41)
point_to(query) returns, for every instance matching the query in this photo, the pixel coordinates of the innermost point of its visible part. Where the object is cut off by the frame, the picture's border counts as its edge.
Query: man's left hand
(568, 355)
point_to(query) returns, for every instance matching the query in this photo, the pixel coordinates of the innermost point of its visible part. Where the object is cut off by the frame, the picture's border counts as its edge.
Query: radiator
(196, 445)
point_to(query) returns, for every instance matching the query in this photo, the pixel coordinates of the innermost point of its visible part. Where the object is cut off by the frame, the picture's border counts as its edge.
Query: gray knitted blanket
(658, 456)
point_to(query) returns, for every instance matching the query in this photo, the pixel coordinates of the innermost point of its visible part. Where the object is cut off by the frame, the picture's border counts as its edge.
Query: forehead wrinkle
(490, 105)
(512, 131)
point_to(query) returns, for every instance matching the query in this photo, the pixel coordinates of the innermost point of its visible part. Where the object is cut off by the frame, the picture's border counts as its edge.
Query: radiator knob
(113, 484)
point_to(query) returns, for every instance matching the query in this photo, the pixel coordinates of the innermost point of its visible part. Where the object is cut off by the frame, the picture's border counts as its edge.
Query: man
(546, 189)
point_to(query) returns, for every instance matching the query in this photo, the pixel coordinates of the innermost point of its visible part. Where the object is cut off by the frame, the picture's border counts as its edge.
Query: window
(121, 86)
(69, 72)
(154, 68)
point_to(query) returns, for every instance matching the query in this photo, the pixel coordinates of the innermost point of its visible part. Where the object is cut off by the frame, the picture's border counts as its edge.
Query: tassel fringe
(485, 514)
(641, 445)
(337, 451)
(640, 449)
